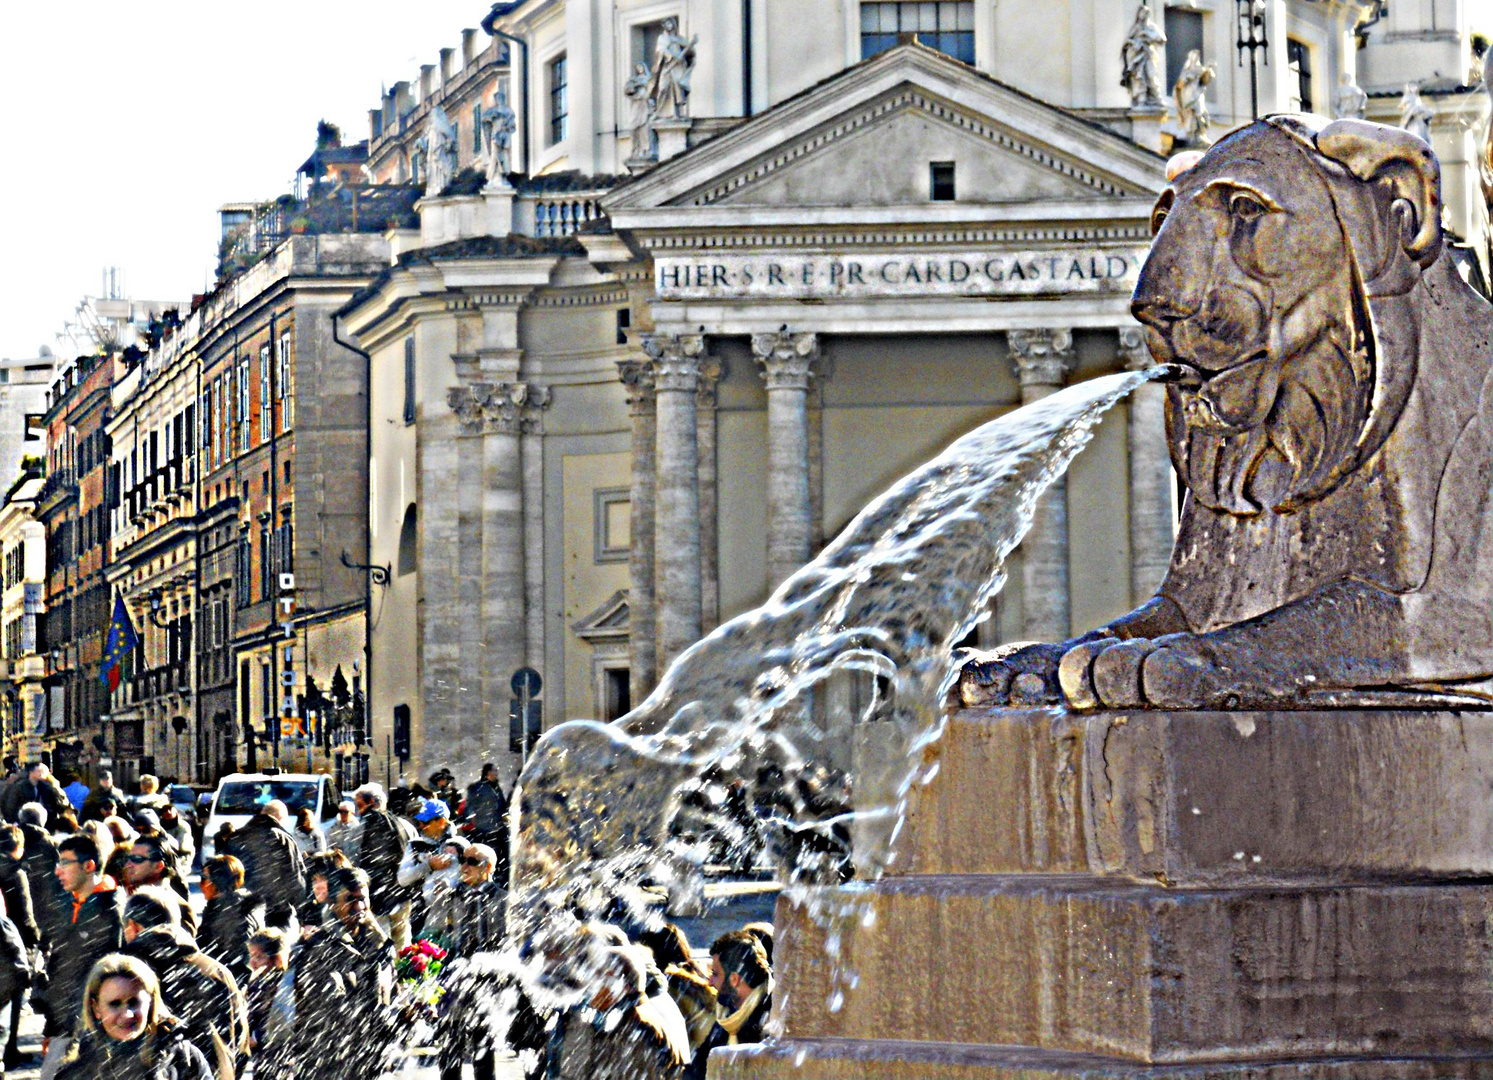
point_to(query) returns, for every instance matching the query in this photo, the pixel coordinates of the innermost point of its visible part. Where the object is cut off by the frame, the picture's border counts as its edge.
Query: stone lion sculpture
(1331, 420)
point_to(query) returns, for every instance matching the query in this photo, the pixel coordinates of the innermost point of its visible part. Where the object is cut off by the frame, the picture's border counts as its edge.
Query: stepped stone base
(1152, 894)
(861, 1059)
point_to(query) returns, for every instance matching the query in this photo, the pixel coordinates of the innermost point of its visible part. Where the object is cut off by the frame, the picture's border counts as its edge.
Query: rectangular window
(266, 406)
(243, 404)
(559, 87)
(217, 422)
(948, 26)
(477, 128)
(204, 411)
(243, 578)
(409, 380)
(189, 430)
(285, 392)
(941, 181)
(1184, 33)
(1299, 60)
(266, 563)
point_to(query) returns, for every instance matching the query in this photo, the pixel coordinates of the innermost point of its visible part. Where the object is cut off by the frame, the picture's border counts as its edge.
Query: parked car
(242, 795)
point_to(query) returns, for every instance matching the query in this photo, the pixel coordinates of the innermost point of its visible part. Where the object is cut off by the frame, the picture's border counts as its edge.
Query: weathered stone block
(1151, 974)
(1209, 798)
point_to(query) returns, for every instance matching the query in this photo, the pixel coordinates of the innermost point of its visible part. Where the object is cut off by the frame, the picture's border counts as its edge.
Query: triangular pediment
(866, 138)
(608, 621)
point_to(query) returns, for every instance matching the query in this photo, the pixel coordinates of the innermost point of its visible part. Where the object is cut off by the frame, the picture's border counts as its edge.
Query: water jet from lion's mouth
(604, 809)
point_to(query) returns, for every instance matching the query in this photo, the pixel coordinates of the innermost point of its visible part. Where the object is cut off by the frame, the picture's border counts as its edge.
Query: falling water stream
(908, 578)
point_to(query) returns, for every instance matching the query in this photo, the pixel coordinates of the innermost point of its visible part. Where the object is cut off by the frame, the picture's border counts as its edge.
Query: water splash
(906, 580)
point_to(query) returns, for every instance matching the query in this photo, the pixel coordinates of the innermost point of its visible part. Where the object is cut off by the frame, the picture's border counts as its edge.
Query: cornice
(1014, 235)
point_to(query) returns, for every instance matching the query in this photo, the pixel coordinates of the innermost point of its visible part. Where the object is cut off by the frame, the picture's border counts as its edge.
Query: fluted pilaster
(1043, 360)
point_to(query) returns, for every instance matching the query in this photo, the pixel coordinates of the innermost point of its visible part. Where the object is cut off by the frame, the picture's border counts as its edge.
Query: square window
(941, 181)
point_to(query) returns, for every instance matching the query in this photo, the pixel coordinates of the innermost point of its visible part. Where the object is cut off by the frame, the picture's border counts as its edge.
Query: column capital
(712, 370)
(1042, 357)
(786, 359)
(507, 408)
(1133, 349)
(637, 381)
(676, 359)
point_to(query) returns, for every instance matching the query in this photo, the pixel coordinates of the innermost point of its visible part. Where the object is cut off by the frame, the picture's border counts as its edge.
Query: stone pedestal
(673, 136)
(498, 196)
(1151, 894)
(1145, 126)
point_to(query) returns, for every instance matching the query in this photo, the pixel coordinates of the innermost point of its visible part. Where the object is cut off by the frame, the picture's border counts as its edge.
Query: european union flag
(122, 640)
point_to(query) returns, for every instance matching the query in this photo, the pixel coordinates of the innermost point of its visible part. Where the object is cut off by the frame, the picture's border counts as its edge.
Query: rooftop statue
(636, 90)
(499, 122)
(673, 63)
(1415, 114)
(1331, 415)
(440, 152)
(1350, 102)
(1141, 58)
(1191, 98)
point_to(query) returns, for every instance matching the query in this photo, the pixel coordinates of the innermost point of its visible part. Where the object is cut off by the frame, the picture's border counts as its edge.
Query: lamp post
(1251, 18)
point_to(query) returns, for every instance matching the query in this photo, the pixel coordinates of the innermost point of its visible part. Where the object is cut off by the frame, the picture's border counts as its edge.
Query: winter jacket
(380, 851)
(343, 988)
(309, 842)
(228, 921)
(91, 930)
(15, 888)
(201, 992)
(21, 791)
(487, 809)
(478, 915)
(15, 965)
(273, 865)
(171, 1057)
(631, 1050)
(49, 900)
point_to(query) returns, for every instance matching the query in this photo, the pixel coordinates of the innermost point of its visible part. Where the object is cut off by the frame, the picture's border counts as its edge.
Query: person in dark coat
(741, 976)
(274, 868)
(230, 917)
(344, 982)
(198, 990)
(49, 900)
(15, 890)
(36, 785)
(487, 810)
(104, 800)
(380, 851)
(93, 929)
(316, 911)
(271, 1012)
(625, 1033)
(127, 1033)
(478, 907)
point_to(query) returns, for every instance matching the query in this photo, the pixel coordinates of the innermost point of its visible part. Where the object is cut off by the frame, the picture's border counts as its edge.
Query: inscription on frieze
(897, 274)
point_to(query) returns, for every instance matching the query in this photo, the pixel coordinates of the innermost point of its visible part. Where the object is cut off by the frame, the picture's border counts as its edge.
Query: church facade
(597, 436)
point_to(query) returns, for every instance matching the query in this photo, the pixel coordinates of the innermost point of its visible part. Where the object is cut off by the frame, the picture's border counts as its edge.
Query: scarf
(737, 1020)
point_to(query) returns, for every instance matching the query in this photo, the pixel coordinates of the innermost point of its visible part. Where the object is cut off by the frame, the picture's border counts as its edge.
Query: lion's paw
(1178, 671)
(1024, 674)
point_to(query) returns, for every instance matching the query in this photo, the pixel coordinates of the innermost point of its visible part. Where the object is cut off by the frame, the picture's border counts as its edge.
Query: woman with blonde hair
(126, 1033)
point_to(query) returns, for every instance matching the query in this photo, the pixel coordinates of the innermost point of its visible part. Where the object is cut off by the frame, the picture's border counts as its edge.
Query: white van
(242, 795)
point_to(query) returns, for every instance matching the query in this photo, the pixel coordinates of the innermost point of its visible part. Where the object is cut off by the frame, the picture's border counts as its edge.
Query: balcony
(59, 484)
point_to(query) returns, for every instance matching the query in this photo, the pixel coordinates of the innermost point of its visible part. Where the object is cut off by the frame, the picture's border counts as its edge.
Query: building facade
(598, 434)
(23, 555)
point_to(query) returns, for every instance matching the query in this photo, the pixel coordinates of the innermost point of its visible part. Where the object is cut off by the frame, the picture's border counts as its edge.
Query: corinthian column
(787, 361)
(676, 379)
(642, 642)
(1043, 360)
(1150, 474)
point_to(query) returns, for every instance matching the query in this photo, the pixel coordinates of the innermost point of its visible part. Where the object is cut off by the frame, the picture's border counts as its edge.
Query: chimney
(427, 81)
(446, 55)
(468, 47)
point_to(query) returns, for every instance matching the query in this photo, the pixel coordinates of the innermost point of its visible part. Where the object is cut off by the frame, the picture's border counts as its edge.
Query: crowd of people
(292, 966)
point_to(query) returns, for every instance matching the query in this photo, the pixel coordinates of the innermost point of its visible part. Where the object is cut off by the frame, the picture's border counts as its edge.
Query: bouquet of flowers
(416, 967)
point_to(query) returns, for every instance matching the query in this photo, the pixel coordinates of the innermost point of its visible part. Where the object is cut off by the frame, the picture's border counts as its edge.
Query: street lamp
(157, 609)
(1251, 15)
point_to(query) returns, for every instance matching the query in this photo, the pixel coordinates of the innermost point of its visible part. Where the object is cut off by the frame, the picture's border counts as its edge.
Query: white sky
(131, 123)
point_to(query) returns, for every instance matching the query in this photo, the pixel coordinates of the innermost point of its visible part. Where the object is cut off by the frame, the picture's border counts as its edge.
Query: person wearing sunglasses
(152, 861)
(478, 908)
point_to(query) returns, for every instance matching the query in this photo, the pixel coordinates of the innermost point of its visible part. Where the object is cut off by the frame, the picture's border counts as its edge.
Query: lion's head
(1266, 257)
